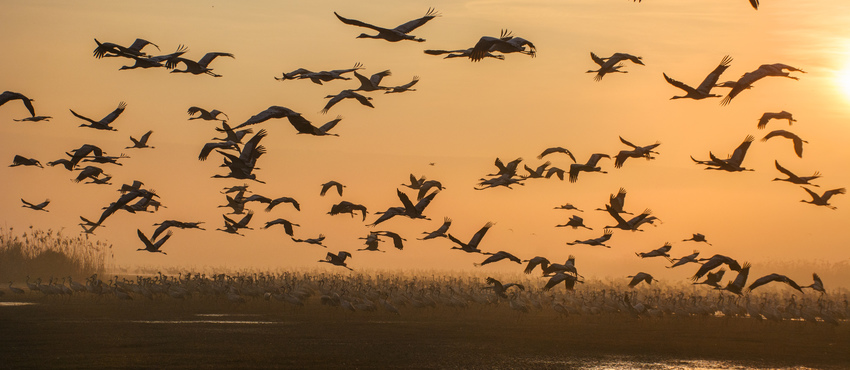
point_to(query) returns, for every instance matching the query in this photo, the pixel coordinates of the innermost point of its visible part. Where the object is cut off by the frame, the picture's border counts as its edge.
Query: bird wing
(138, 45)
(741, 150)
(414, 24)
(112, 116)
(208, 57)
(357, 23)
(82, 117)
(829, 193)
(479, 235)
(678, 84)
(145, 137)
(711, 80)
(144, 239)
(405, 200)
(331, 124)
(596, 59)
(193, 110)
(271, 112)
(376, 78)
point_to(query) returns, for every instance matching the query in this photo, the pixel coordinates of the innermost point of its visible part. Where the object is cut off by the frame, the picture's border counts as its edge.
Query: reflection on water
(16, 304)
(626, 363)
(208, 322)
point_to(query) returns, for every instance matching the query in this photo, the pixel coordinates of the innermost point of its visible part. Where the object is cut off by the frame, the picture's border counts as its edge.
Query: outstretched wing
(112, 116)
(357, 23)
(414, 24)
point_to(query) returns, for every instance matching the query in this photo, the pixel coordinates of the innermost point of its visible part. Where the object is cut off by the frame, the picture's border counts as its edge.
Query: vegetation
(49, 253)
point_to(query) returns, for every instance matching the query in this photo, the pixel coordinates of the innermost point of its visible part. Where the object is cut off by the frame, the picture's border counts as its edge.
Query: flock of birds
(240, 150)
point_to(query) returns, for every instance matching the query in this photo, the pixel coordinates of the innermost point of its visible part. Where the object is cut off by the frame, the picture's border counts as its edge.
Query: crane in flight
(691, 258)
(764, 70)
(103, 124)
(823, 199)
(287, 226)
(794, 179)
(733, 163)
(7, 96)
(401, 32)
(575, 222)
(704, 89)
(662, 251)
(498, 256)
(37, 207)
(199, 67)
(318, 77)
(639, 277)
(109, 49)
(346, 94)
(329, 185)
(635, 152)
(142, 142)
(20, 160)
(151, 246)
(600, 241)
(440, 232)
(462, 53)
(774, 115)
(774, 278)
(206, 115)
(472, 246)
(500, 288)
(798, 142)
(337, 259)
(698, 237)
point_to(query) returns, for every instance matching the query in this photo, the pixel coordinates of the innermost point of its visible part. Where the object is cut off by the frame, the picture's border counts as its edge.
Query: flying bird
(201, 66)
(640, 276)
(20, 160)
(346, 94)
(287, 226)
(500, 288)
(319, 77)
(498, 256)
(150, 246)
(331, 184)
(109, 49)
(405, 87)
(7, 96)
(337, 259)
(658, 252)
(142, 142)
(37, 207)
(316, 241)
(794, 179)
(733, 163)
(635, 152)
(395, 34)
(556, 149)
(798, 142)
(704, 89)
(34, 119)
(440, 232)
(575, 222)
(764, 70)
(697, 238)
(472, 246)
(823, 200)
(206, 115)
(590, 166)
(103, 124)
(817, 284)
(600, 241)
(462, 53)
(774, 277)
(773, 115)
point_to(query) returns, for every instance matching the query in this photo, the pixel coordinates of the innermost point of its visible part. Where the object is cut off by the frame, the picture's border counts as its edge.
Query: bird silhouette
(461, 53)
(635, 152)
(774, 278)
(472, 246)
(499, 289)
(697, 238)
(691, 258)
(142, 142)
(103, 124)
(337, 259)
(331, 184)
(737, 285)
(774, 115)
(575, 222)
(160, 61)
(395, 34)
(556, 149)
(823, 199)
(405, 87)
(20, 160)
(206, 115)
(658, 252)
(109, 49)
(704, 89)
(201, 66)
(346, 94)
(639, 277)
(498, 256)
(764, 70)
(817, 284)
(7, 96)
(37, 207)
(794, 179)
(153, 247)
(319, 77)
(590, 166)
(798, 142)
(733, 163)
(440, 232)
(600, 241)
(287, 226)
(315, 241)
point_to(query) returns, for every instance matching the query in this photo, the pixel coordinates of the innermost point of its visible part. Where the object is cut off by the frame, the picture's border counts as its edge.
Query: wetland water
(117, 335)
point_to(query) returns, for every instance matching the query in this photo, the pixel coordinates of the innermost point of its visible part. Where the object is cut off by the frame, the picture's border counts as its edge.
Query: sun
(842, 81)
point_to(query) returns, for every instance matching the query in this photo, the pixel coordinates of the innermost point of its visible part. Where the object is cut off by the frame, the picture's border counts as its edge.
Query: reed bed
(36, 252)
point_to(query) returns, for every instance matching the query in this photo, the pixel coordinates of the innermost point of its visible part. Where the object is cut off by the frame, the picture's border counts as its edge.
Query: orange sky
(462, 116)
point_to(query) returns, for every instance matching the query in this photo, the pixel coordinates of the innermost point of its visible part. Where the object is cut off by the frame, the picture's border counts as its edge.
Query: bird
(575, 222)
(37, 207)
(242, 223)
(348, 207)
(704, 89)
(165, 225)
(764, 70)
(206, 115)
(371, 242)
(462, 53)
(273, 202)
(498, 256)
(403, 88)
(755, 4)
(231, 135)
(556, 149)
(640, 276)
(153, 247)
(697, 238)
(713, 262)
(737, 285)
(395, 34)
(691, 258)
(611, 64)
(590, 166)
(713, 278)
(277, 111)
(243, 165)
(7, 96)
(346, 94)
(616, 202)
(568, 280)
(109, 49)
(91, 172)
(472, 246)
(287, 226)
(440, 232)
(20, 160)
(331, 184)
(600, 241)
(733, 163)
(165, 61)
(505, 43)
(632, 224)
(500, 288)
(817, 284)
(798, 142)
(415, 210)
(103, 124)
(774, 277)
(568, 206)
(201, 66)
(316, 241)
(34, 119)
(823, 199)
(427, 185)
(319, 77)
(636, 152)
(773, 115)
(337, 259)
(794, 179)
(142, 142)
(658, 252)
(397, 239)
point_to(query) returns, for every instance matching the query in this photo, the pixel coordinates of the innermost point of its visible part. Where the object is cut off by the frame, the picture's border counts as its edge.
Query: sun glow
(842, 81)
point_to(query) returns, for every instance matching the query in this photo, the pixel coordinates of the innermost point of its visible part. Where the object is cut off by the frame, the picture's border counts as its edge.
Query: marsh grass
(36, 252)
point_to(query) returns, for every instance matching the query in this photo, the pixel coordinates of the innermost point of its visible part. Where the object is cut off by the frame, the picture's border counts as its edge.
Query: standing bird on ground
(103, 124)
(498, 256)
(774, 277)
(764, 70)
(659, 252)
(640, 276)
(823, 200)
(150, 246)
(201, 66)
(697, 238)
(440, 232)
(590, 166)
(798, 142)
(704, 89)
(331, 184)
(600, 241)
(9, 96)
(794, 179)
(20, 160)
(206, 115)
(142, 142)
(575, 222)
(37, 207)
(337, 259)
(472, 246)
(346, 94)
(769, 116)
(396, 34)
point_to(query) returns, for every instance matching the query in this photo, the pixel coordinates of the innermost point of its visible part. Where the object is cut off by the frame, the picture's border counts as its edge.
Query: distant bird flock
(240, 152)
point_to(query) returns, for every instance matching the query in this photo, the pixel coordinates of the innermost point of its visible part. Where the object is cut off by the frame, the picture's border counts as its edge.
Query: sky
(462, 116)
